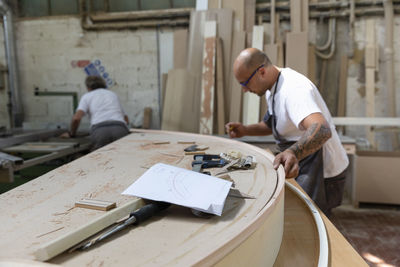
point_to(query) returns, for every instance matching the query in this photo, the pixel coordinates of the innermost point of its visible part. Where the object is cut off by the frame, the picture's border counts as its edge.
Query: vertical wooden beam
(238, 44)
(295, 15)
(341, 105)
(208, 79)
(370, 65)
(304, 15)
(297, 51)
(220, 89)
(251, 102)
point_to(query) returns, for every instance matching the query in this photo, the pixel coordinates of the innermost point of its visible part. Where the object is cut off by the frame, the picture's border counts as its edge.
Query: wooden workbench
(248, 233)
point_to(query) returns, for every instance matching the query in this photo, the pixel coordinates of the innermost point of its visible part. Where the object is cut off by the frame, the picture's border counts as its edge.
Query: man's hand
(65, 135)
(289, 161)
(235, 129)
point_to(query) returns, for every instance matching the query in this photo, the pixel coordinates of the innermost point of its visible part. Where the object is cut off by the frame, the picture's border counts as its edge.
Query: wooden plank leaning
(64, 242)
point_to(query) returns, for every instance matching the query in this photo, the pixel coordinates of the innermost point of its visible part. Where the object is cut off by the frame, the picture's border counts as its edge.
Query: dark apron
(311, 176)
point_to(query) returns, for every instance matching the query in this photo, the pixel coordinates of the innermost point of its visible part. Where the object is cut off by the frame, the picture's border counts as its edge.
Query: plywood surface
(43, 209)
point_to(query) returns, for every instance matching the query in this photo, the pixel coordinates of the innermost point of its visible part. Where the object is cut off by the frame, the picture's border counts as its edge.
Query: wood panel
(377, 179)
(30, 212)
(180, 48)
(297, 51)
(208, 79)
(179, 102)
(295, 15)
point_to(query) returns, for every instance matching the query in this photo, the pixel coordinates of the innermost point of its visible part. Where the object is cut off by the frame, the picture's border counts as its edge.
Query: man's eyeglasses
(244, 84)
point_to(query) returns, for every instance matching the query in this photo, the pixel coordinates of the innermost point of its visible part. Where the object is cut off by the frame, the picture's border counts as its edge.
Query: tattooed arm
(316, 134)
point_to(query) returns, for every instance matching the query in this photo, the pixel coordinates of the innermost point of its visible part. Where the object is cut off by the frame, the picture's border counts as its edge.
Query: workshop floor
(373, 230)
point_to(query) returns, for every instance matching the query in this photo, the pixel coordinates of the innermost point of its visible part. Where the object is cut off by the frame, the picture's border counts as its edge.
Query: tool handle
(149, 210)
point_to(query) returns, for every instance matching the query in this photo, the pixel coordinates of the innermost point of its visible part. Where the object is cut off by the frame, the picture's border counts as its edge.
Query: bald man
(297, 116)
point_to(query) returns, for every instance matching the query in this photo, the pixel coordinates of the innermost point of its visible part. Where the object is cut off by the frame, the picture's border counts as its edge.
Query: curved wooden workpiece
(249, 232)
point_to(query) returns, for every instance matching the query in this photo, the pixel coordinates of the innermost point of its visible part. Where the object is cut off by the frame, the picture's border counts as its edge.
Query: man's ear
(262, 71)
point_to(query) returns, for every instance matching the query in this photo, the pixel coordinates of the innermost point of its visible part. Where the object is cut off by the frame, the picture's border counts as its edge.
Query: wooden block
(147, 113)
(297, 51)
(68, 240)
(161, 142)
(95, 204)
(186, 142)
(208, 79)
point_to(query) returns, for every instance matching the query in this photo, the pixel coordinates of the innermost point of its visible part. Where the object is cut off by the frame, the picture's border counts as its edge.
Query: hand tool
(207, 161)
(135, 217)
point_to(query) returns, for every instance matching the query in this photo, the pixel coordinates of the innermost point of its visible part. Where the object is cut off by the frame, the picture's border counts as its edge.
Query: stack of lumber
(201, 93)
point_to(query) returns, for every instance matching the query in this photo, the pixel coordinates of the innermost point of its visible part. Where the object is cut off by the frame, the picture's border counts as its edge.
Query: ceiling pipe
(16, 104)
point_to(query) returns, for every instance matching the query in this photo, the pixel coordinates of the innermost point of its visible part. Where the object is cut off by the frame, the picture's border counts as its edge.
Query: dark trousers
(327, 193)
(107, 132)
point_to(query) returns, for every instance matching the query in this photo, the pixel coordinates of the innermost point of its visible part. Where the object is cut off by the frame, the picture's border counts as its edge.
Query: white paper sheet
(183, 187)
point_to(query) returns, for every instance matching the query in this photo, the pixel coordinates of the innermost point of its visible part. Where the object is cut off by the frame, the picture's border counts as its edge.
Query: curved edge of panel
(259, 241)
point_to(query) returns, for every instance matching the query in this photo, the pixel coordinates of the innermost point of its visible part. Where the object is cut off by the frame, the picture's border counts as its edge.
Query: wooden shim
(208, 79)
(295, 15)
(95, 204)
(180, 48)
(181, 102)
(220, 90)
(68, 240)
(235, 104)
(251, 102)
(297, 51)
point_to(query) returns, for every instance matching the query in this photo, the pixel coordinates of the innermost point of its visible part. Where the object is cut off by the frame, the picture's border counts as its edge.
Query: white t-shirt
(295, 99)
(101, 105)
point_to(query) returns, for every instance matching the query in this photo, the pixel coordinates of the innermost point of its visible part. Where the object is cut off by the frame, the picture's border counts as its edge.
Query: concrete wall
(49, 50)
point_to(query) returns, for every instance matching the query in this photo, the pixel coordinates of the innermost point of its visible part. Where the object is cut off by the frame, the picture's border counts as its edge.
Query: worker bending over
(107, 119)
(297, 116)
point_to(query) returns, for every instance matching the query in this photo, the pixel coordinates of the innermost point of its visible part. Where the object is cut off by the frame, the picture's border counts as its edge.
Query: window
(38, 8)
